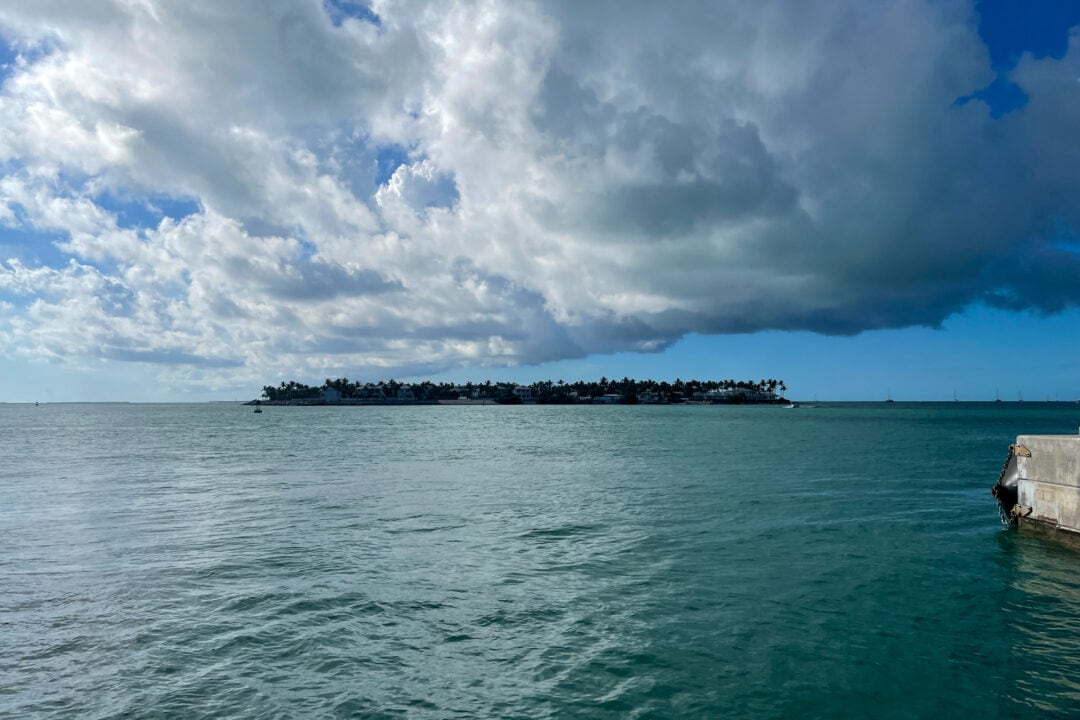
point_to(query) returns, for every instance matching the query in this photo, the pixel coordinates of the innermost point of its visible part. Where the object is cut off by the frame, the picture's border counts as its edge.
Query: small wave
(517, 618)
(356, 604)
(559, 532)
(436, 528)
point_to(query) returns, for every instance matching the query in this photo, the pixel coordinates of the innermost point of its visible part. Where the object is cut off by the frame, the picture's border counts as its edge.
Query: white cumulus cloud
(431, 184)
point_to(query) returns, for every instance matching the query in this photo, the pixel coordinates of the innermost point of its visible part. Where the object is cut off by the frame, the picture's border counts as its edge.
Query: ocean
(840, 560)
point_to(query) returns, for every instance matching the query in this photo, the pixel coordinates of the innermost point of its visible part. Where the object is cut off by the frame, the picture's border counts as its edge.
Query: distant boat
(997, 395)
(889, 396)
(954, 398)
(791, 405)
(257, 408)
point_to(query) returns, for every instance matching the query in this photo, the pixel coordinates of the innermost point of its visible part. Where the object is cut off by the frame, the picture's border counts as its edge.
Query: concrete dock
(1041, 480)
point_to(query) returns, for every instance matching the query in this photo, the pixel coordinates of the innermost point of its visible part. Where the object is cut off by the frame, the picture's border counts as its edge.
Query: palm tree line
(628, 390)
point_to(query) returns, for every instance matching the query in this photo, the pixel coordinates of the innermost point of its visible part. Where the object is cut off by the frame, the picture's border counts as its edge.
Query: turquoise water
(201, 561)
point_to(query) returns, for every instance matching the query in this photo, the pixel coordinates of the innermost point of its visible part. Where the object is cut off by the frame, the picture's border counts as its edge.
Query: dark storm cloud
(860, 196)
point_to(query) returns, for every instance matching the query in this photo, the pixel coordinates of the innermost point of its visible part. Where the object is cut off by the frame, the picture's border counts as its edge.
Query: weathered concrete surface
(1049, 481)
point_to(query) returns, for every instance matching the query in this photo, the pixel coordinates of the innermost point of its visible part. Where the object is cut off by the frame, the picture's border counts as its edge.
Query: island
(627, 391)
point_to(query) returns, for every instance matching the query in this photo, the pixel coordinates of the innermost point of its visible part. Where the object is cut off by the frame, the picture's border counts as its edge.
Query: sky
(862, 199)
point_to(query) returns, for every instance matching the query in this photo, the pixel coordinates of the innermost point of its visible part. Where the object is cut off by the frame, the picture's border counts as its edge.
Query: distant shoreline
(627, 391)
(319, 402)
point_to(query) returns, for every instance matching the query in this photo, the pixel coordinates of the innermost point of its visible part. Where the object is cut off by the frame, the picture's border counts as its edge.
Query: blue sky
(858, 198)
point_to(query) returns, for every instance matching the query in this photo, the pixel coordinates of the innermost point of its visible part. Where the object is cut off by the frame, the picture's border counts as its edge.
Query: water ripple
(195, 561)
